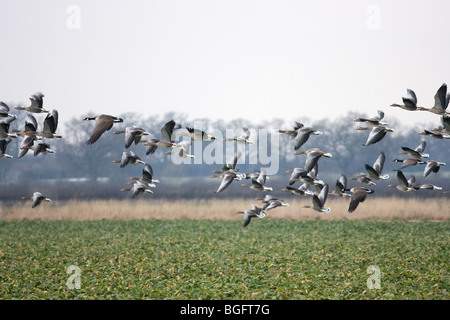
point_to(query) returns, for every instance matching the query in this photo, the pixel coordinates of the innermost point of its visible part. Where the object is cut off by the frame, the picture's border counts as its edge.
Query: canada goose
(184, 147)
(303, 135)
(254, 212)
(312, 157)
(138, 189)
(293, 132)
(409, 162)
(4, 110)
(417, 153)
(166, 140)
(104, 123)
(197, 135)
(228, 177)
(374, 120)
(4, 127)
(375, 170)
(147, 177)
(3, 144)
(432, 166)
(37, 199)
(359, 194)
(129, 158)
(132, 134)
(435, 134)
(403, 185)
(341, 185)
(36, 104)
(242, 139)
(376, 134)
(441, 100)
(409, 102)
(300, 191)
(258, 184)
(319, 200)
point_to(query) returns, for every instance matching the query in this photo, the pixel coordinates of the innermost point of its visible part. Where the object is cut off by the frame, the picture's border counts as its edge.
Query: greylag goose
(242, 139)
(147, 177)
(404, 185)
(375, 121)
(293, 132)
(138, 189)
(432, 166)
(417, 153)
(4, 127)
(132, 134)
(184, 147)
(4, 110)
(104, 123)
(37, 199)
(441, 99)
(166, 140)
(258, 184)
(129, 158)
(409, 102)
(319, 200)
(377, 133)
(3, 144)
(254, 212)
(36, 104)
(377, 168)
(303, 135)
(312, 157)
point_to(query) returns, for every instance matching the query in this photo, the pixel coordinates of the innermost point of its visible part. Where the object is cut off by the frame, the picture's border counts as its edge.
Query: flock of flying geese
(36, 140)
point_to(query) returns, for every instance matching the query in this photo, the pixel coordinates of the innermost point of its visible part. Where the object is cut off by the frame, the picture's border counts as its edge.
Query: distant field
(216, 259)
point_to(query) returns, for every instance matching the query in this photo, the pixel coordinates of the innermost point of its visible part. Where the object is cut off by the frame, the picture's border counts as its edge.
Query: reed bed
(391, 208)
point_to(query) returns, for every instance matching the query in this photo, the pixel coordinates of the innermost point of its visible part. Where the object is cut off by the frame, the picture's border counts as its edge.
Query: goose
(37, 199)
(166, 140)
(129, 158)
(132, 134)
(417, 153)
(409, 162)
(4, 127)
(104, 123)
(197, 135)
(432, 166)
(403, 185)
(30, 126)
(299, 174)
(275, 203)
(303, 135)
(227, 178)
(359, 194)
(319, 200)
(292, 133)
(363, 178)
(428, 186)
(41, 147)
(258, 184)
(50, 125)
(138, 189)
(435, 134)
(341, 185)
(242, 139)
(231, 164)
(376, 134)
(312, 157)
(4, 110)
(27, 143)
(300, 191)
(441, 100)
(36, 104)
(254, 212)
(3, 144)
(409, 102)
(375, 170)
(184, 147)
(146, 178)
(445, 120)
(374, 120)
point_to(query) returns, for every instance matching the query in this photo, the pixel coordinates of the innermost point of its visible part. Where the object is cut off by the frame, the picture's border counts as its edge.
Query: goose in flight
(104, 123)
(341, 185)
(30, 126)
(422, 186)
(432, 166)
(271, 202)
(258, 183)
(197, 135)
(409, 102)
(359, 194)
(299, 174)
(377, 168)
(409, 162)
(27, 143)
(300, 191)
(228, 177)
(137, 189)
(404, 185)
(435, 134)
(375, 121)
(417, 153)
(132, 134)
(4, 127)
(242, 139)
(184, 147)
(146, 178)
(293, 132)
(363, 178)
(254, 212)
(319, 200)
(3, 144)
(441, 100)
(166, 140)
(303, 135)
(129, 158)
(4, 110)
(312, 157)
(50, 126)
(37, 199)
(36, 104)
(377, 133)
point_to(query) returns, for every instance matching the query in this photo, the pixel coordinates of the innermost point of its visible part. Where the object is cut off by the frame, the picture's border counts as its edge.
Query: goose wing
(101, 127)
(440, 98)
(51, 121)
(167, 130)
(228, 178)
(357, 197)
(301, 137)
(402, 179)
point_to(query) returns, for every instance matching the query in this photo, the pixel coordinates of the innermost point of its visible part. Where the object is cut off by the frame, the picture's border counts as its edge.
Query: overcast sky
(225, 59)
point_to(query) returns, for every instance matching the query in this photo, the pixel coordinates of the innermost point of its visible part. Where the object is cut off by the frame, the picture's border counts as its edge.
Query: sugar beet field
(184, 258)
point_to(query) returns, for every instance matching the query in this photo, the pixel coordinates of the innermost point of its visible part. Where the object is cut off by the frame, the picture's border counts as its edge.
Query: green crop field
(201, 259)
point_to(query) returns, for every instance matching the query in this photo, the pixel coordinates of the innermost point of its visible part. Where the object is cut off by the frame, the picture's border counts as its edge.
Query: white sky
(225, 59)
